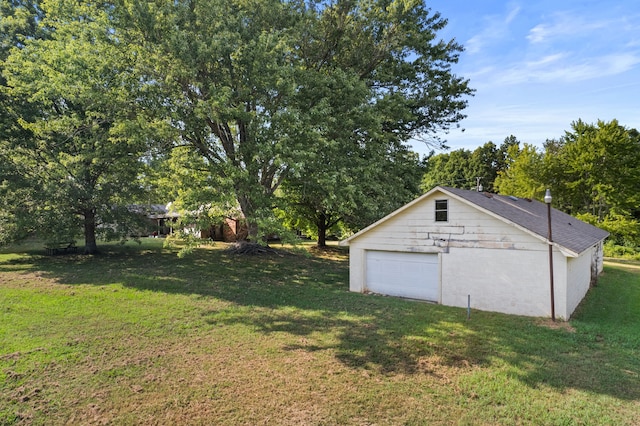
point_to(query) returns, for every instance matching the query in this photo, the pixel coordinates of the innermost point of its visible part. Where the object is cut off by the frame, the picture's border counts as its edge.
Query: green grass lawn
(138, 336)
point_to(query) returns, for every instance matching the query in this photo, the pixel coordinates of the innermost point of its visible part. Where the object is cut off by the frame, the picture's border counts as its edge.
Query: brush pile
(251, 249)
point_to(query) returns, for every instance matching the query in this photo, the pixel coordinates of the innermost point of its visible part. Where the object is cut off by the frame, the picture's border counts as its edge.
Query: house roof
(568, 233)
(161, 211)
(154, 211)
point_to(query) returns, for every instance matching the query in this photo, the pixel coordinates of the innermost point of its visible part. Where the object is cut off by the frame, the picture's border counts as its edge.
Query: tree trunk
(90, 245)
(322, 230)
(247, 210)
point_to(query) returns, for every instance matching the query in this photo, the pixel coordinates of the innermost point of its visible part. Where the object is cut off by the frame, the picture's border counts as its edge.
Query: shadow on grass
(308, 297)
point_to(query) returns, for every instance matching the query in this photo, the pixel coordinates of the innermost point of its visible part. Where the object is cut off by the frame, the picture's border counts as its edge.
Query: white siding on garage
(415, 230)
(579, 279)
(508, 281)
(412, 275)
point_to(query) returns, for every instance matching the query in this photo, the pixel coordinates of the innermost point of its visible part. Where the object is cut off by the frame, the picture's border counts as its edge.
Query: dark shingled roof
(567, 231)
(153, 211)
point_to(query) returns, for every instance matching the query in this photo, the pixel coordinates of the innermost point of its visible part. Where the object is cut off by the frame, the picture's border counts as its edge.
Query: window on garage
(442, 210)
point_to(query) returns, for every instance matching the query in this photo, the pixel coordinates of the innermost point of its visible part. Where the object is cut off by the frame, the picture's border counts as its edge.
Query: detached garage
(451, 244)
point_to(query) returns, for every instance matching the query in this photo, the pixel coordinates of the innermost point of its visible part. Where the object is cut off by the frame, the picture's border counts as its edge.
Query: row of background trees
(298, 113)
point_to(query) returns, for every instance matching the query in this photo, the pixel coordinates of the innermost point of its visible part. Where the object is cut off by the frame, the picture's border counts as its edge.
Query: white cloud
(478, 42)
(495, 28)
(566, 25)
(536, 117)
(529, 123)
(556, 68)
(545, 61)
(539, 33)
(513, 13)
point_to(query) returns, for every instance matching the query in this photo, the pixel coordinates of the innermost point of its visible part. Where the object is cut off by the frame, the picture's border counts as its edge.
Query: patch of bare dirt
(329, 252)
(556, 325)
(624, 263)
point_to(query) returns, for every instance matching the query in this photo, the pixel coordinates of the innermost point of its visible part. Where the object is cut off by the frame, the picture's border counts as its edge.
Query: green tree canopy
(352, 191)
(524, 173)
(76, 141)
(260, 92)
(595, 168)
(251, 87)
(593, 172)
(468, 169)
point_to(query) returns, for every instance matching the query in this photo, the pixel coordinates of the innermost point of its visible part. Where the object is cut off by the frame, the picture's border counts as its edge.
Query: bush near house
(137, 335)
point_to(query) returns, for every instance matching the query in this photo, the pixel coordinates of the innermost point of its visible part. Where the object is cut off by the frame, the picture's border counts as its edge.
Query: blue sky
(539, 65)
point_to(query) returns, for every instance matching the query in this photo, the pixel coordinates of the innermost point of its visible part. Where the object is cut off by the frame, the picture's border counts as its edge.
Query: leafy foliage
(595, 168)
(79, 141)
(523, 176)
(257, 92)
(624, 230)
(345, 196)
(593, 172)
(466, 169)
(259, 89)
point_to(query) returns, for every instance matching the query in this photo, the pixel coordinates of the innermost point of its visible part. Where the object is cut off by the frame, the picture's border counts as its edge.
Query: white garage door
(413, 275)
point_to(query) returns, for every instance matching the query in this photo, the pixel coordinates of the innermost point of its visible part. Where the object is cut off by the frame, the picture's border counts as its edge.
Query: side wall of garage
(580, 275)
(511, 281)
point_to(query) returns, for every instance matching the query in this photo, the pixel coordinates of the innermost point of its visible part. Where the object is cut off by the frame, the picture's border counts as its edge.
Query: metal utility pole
(547, 200)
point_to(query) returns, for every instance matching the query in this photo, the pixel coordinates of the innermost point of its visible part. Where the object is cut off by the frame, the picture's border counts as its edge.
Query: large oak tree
(251, 86)
(261, 91)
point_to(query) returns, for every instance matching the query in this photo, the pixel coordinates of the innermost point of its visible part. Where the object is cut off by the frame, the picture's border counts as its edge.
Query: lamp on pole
(547, 200)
